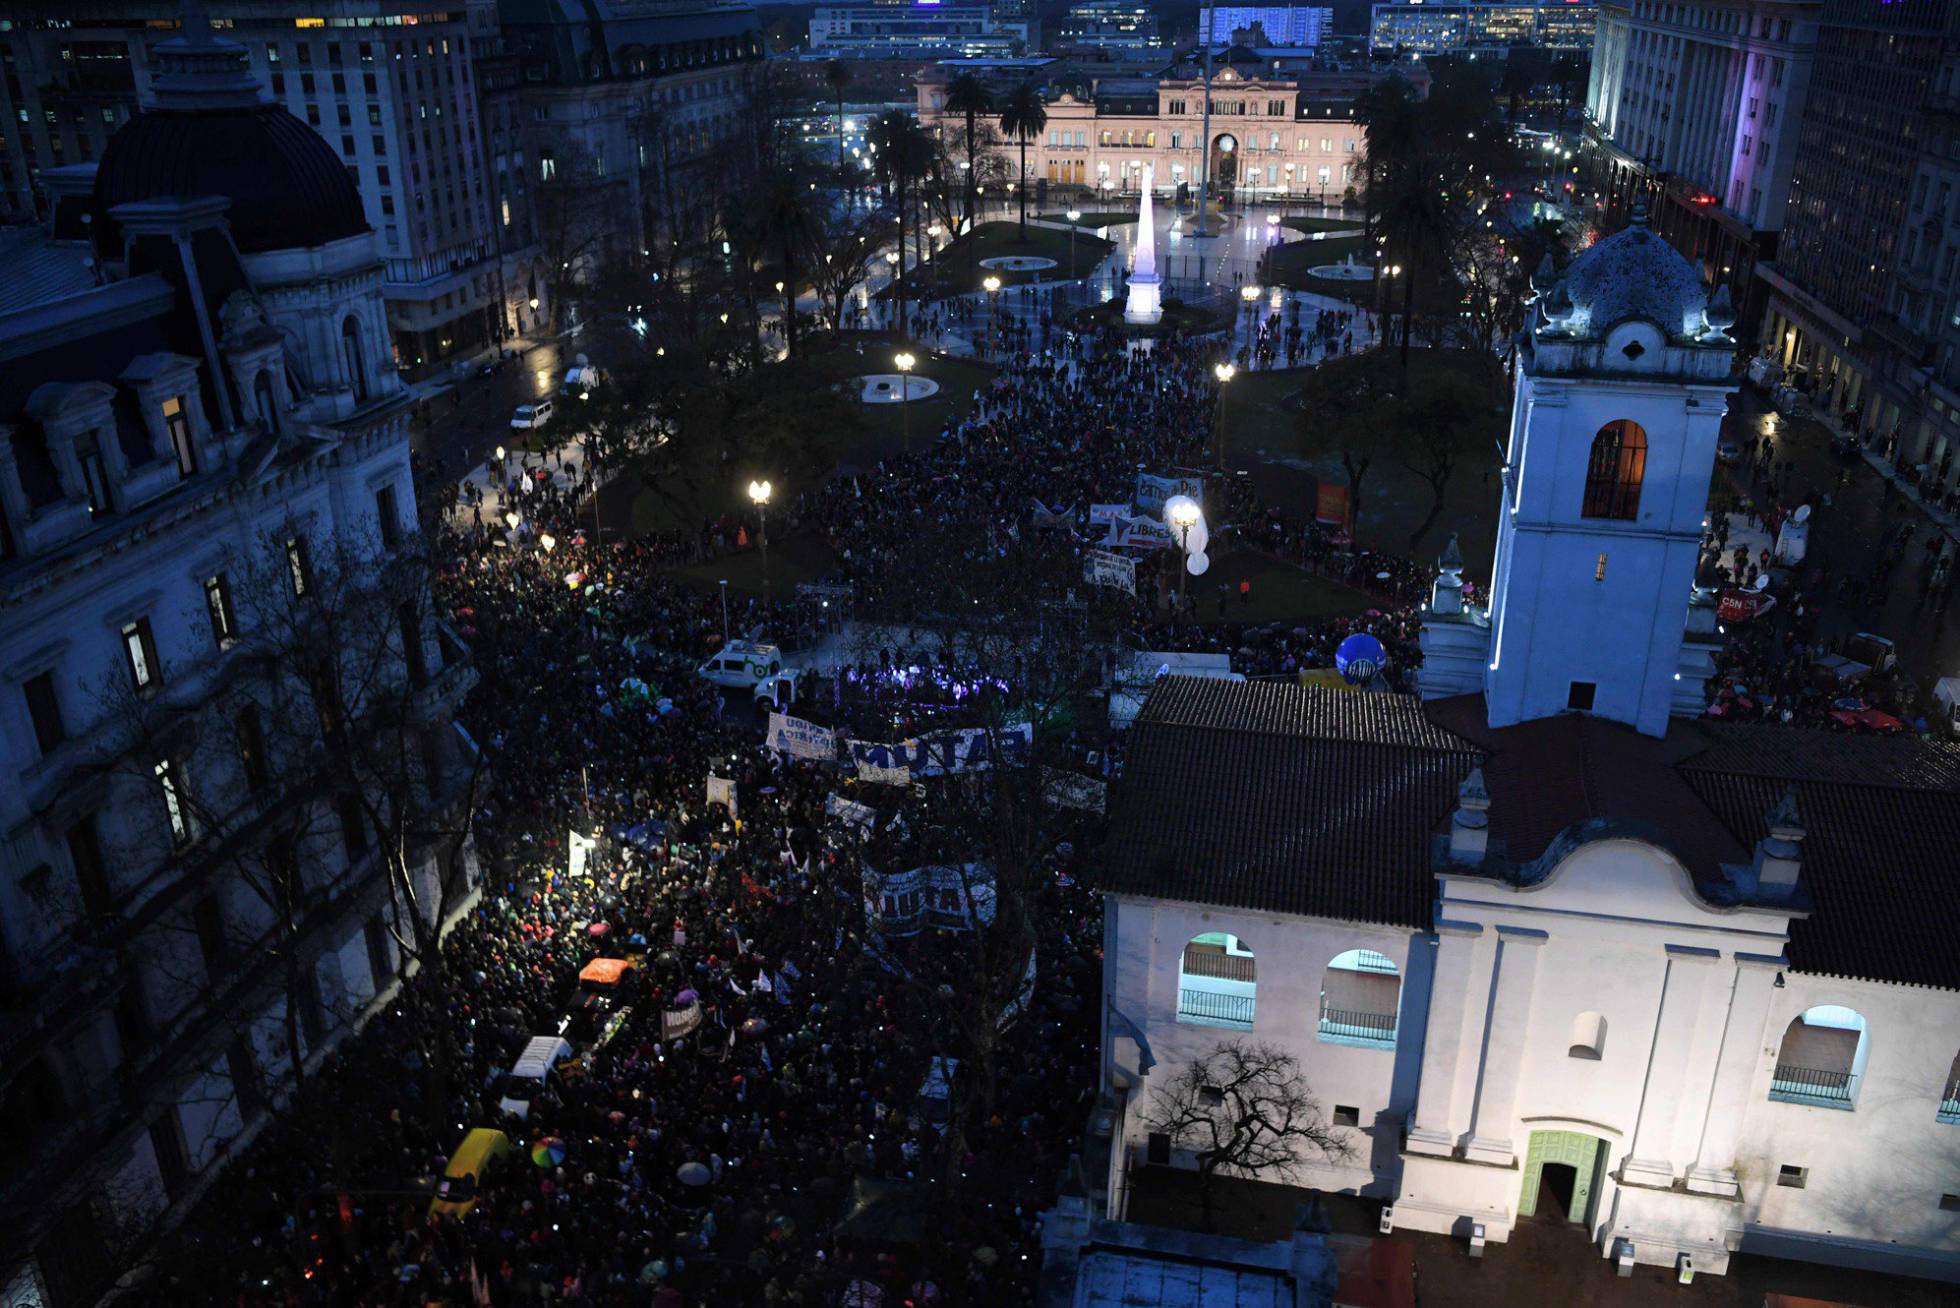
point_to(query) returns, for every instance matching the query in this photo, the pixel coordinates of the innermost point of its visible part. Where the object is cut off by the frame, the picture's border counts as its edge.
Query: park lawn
(802, 557)
(1280, 592)
(1265, 434)
(948, 273)
(878, 433)
(1287, 265)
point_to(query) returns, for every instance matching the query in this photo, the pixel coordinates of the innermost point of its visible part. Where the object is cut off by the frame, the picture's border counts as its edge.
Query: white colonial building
(1543, 951)
(198, 425)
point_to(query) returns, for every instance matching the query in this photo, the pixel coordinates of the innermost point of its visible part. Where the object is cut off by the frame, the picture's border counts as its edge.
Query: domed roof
(1634, 274)
(210, 133)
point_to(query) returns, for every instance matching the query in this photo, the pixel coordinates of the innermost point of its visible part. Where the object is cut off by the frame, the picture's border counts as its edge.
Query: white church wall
(1873, 1175)
(1291, 955)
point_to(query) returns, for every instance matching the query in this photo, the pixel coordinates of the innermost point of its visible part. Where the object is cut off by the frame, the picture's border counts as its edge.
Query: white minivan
(531, 415)
(530, 1073)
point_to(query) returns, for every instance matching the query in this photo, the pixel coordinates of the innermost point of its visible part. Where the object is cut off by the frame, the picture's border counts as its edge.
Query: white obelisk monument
(1145, 304)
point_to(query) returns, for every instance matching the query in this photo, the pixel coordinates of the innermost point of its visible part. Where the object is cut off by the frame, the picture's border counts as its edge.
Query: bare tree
(1246, 1110)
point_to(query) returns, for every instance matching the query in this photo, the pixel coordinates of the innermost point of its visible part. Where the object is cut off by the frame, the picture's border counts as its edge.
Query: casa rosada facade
(1268, 140)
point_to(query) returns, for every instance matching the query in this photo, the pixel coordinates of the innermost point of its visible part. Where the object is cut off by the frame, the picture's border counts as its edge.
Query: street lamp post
(1250, 294)
(891, 259)
(724, 610)
(1074, 216)
(759, 496)
(992, 287)
(905, 362)
(1184, 516)
(1224, 372)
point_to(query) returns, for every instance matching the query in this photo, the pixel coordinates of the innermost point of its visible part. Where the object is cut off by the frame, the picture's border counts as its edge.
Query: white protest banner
(1101, 515)
(884, 764)
(1153, 491)
(579, 853)
(1103, 568)
(721, 790)
(958, 749)
(1139, 533)
(677, 1022)
(1043, 516)
(850, 811)
(800, 739)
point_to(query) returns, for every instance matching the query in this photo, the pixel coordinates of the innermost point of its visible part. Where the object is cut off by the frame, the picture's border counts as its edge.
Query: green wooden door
(1582, 1153)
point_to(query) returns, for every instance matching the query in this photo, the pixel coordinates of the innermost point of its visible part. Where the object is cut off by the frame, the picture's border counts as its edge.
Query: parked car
(531, 415)
(530, 1074)
(482, 1152)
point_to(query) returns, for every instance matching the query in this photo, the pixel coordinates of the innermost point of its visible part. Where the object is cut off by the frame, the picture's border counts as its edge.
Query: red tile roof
(1323, 803)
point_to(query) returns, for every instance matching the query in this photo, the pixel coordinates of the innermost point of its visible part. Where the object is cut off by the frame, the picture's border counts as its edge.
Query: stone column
(1688, 974)
(1504, 1045)
(1728, 1098)
(1451, 1006)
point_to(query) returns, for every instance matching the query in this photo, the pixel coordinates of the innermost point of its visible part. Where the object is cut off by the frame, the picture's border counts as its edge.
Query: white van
(529, 1074)
(531, 415)
(742, 663)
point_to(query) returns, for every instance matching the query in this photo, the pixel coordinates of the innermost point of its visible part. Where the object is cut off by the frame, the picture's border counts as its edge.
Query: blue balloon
(1359, 657)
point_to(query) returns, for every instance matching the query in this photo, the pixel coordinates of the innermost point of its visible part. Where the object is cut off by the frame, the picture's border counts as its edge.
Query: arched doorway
(1562, 1170)
(1224, 166)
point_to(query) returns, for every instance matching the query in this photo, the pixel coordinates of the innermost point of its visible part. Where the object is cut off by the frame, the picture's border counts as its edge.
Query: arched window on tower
(1950, 1095)
(1613, 477)
(1588, 1036)
(351, 355)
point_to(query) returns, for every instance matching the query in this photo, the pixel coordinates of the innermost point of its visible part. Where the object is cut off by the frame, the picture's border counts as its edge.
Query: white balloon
(1197, 540)
(1197, 564)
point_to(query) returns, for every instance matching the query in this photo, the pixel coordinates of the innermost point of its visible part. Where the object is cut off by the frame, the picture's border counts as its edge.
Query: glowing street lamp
(905, 361)
(1184, 516)
(1074, 217)
(1250, 294)
(992, 286)
(759, 492)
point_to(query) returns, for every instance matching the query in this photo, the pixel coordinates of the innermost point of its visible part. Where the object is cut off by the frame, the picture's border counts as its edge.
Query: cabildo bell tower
(1623, 378)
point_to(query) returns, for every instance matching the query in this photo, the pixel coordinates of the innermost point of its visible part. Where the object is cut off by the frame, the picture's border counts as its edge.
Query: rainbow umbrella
(548, 1151)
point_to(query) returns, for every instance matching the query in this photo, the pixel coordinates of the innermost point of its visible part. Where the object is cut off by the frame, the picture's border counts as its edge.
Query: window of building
(1792, 1176)
(1821, 1059)
(1360, 993)
(353, 826)
(245, 1083)
(1615, 471)
(91, 873)
(140, 652)
(167, 1139)
(218, 607)
(177, 421)
(413, 653)
(381, 968)
(1347, 1115)
(252, 761)
(44, 710)
(176, 801)
(298, 567)
(1217, 982)
(1579, 696)
(95, 478)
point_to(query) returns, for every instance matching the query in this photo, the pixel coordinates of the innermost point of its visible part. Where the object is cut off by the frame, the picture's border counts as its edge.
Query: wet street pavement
(1849, 537)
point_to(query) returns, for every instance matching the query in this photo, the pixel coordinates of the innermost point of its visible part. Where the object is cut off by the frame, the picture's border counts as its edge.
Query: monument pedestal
(1145, 304)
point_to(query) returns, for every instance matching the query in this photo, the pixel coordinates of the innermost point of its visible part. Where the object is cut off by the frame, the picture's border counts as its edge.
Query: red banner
(1331, 506)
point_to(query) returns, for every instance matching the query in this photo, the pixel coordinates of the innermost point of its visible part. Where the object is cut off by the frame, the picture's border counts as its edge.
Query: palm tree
(1391, 121)
(838, 74)
(783, 213)
(968, 95)
(901, 150)
(1414, 217)
(1023, 117)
